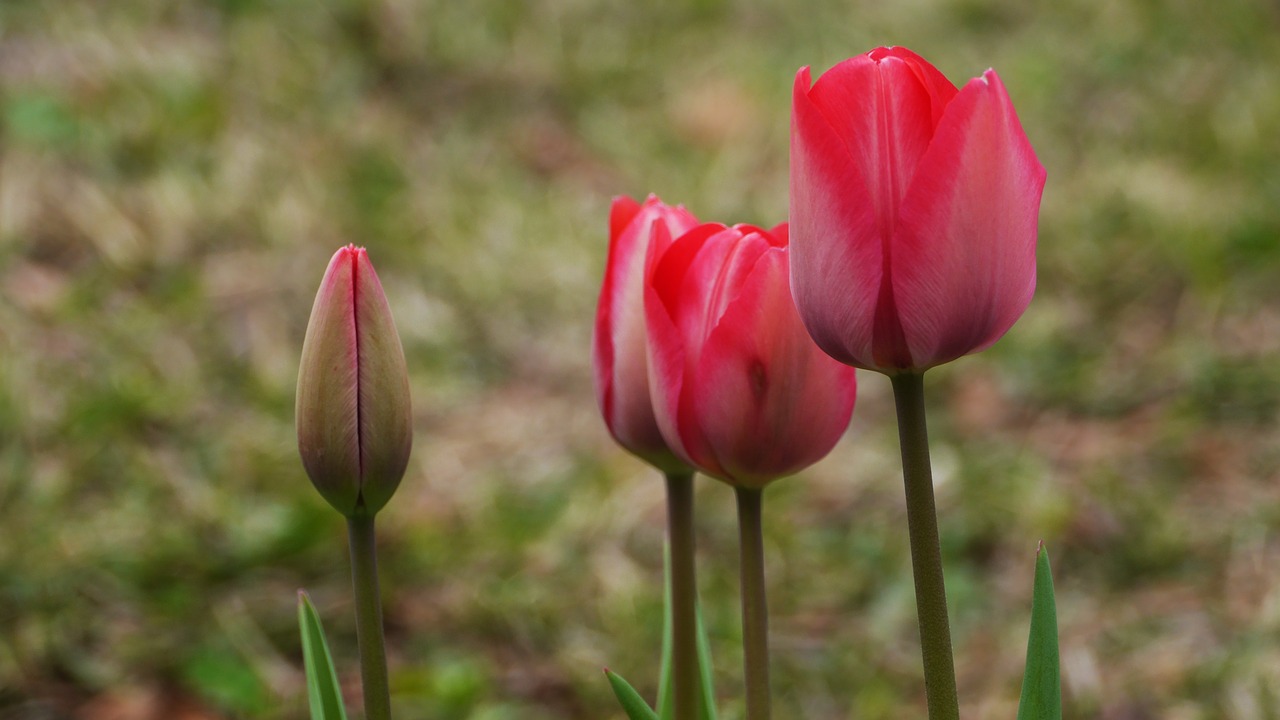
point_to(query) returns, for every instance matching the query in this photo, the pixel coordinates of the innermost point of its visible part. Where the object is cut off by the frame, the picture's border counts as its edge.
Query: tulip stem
(926, 554)
(755, 612)
(373, 654)
(684, 592)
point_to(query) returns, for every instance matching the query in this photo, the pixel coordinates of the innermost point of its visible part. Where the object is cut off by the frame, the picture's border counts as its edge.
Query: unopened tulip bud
(353, 414)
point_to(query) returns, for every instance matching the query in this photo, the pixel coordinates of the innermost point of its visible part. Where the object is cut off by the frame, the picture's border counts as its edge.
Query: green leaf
(708, 707)
(322, 680)
(634, 705)
(666, 707)
(1041, 687)
(666, 689)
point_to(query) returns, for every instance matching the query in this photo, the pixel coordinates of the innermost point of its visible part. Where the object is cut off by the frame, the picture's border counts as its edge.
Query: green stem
(373, 654)
(684, 591)
(755, 612)
(926, 555)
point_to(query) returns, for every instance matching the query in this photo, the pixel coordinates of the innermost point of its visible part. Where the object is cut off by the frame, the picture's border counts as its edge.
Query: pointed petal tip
(804, 78)
(622, 211)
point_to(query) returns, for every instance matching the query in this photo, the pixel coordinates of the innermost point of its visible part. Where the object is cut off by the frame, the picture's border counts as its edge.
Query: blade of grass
(632, 704)
(1041, 683)
(322, 680)
(707, 708)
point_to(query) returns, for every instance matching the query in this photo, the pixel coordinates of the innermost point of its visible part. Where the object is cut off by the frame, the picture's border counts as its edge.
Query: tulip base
(926, 554)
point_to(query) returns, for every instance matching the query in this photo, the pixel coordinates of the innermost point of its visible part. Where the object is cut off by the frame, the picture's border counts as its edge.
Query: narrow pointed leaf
(707, 708)
(632, 704)
(322, 681)
(1041, 685)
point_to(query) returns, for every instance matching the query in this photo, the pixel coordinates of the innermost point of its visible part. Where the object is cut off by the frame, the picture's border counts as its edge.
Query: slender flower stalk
(926, 554)
(755, 613)
(369, 635)
(684, 591)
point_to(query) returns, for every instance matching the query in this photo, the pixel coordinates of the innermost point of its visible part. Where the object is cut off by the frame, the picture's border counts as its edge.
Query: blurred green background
(175, 175)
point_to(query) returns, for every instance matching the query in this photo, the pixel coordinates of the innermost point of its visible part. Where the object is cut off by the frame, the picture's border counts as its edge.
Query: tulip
(619, 346)
(620, 359)
(739, 389)
(913, 212)
(353, 415)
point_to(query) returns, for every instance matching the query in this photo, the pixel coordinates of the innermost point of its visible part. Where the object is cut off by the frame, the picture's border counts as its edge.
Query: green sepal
(632, 704)
(322, 680)
(1041, 684)
(666, 704)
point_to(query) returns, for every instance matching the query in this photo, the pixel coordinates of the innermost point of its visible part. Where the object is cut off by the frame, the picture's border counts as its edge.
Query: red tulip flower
(619, 347)
(913, 212)
(739, 389)
(354, 421)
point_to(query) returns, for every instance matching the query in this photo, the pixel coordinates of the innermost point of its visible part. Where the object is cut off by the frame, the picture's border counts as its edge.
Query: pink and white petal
(612, 294)
(837, 253)
(619, 345)
(964, 267)
(621, 213)
(620, 339)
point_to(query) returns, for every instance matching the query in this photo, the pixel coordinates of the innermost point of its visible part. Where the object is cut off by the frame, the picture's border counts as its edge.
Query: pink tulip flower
(353, 414)
(913, 212)
(619, 345)
(739, 389)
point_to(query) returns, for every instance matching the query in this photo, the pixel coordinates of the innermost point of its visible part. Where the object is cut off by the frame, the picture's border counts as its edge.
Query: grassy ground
(174, 176)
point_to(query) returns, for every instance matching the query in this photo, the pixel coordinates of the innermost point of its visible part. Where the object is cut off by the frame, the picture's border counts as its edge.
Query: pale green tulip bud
(354, 421)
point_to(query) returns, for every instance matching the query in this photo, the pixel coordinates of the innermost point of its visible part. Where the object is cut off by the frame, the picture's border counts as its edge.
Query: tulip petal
(770, 401)
(884, 116)
(964, 267)
(620, 339)
(620, 376)
(681, 277)
(836, 250)
(621, 213)
(385, 414)
(326, 405)
(941, 91)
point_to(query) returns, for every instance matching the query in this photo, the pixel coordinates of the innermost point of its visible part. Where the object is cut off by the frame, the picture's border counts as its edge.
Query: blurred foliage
(174, 176)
